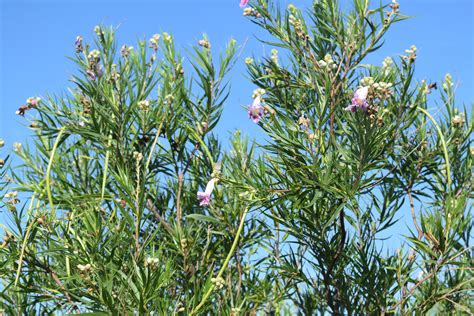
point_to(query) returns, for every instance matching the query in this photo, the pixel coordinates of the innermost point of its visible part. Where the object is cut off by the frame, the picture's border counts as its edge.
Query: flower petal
(243, 3)
(361, 93)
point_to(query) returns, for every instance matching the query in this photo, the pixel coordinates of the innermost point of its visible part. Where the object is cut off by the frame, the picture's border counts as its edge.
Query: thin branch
(179, 214)
(56, 279)
(152, 208)
(413, 215)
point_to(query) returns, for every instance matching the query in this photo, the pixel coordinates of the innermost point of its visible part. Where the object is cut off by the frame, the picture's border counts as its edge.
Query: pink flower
(78, 44)
(91, 75)
(96, 71)
(243, 3)
(33, 102)
(205, 197)
(256, 110)
(359, 100)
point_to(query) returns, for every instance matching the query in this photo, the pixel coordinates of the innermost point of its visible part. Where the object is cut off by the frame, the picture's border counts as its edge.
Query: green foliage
(297, 224)
(335, 181)
(113, 224)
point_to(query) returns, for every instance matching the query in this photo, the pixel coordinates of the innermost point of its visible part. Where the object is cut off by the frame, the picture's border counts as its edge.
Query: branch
(56, 279)
(152, 208)
(413, 215)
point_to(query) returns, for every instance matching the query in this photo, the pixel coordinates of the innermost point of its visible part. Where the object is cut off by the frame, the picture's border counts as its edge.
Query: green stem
(25, 239)
(107, 157)
(445, 148)
(48, 171)
(206, 150)
(106, 168)
(226, 262)
(155, 141)
(202, 143)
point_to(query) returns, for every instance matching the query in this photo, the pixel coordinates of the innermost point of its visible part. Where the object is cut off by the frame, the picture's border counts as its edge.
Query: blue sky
(37, 36)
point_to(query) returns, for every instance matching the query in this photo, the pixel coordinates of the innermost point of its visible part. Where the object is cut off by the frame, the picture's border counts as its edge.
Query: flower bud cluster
(167, 38)
(382, 90)
(298, 26)
(293, 20)
(86, 104)
(387, 63)
(204, 43)
(84, 270)
(125, 50)
(367, 81)
(94, 56)
(377, 90)
(411, 255)
(169, 98)
(153, 42)
(458, 120)
(6, 239)
(292, 9)
(218, 282)
(17, 147)
(180, 307)
(179, 70)
(248, 61)
(395, 6)
(144, 105)
(252, 12)
(448, 82)
(202, 127)
(411, 57)
(94, 70)
(98, 30)
(12, 197)
(274, 56)
(114, 75)
(152, 263)
(304, 121)
(138, 156)
(327, 63)
(258, 93)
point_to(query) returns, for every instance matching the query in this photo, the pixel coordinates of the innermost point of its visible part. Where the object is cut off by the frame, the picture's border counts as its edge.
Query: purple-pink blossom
(359, 100)
(96, 71)
(91, 75)
(256, 110)
(205, 197)
(243, 3)
(78, 44)
(33, 102)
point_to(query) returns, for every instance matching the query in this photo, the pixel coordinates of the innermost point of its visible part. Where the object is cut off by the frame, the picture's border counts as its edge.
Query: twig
(413, 215)
(56, 279)
(178, 200)
(226, 262)
(48, 170)
(152, 208)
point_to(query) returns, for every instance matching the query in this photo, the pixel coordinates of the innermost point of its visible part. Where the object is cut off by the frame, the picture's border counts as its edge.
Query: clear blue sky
(36, 37)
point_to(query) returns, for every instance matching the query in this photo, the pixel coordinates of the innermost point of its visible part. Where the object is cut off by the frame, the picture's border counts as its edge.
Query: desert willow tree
(126, 211)
(350, 149)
